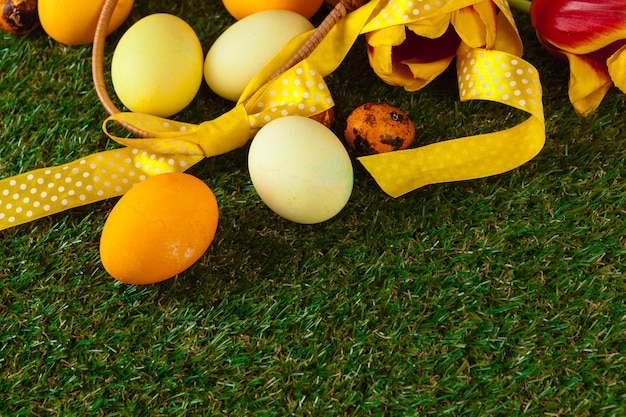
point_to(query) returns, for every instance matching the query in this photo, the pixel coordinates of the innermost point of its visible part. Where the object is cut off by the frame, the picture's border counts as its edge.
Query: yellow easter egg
(157, 66)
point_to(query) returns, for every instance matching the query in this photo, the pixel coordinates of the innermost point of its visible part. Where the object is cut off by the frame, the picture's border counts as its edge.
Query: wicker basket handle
(340, 9)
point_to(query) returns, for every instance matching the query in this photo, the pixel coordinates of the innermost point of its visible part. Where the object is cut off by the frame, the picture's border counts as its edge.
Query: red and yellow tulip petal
(579, 26)
(589, 81)
(617, 68)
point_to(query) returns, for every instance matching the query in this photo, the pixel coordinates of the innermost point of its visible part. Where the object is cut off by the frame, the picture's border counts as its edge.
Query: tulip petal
(617, 68)
(391, 36)
(424, 73)
(589, 81)
(430, 28)
(380, 61)
(408, 60)
(579, 26)
(476, 24)
(508, 39)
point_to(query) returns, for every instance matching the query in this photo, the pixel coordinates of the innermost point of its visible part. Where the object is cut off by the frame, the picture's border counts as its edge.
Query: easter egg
(247, 46)
(157, 65)
(18, 17)
(377, 127)
(73, 22)
(300, 169)
(158, 229)
(242, 8)
(327, 117)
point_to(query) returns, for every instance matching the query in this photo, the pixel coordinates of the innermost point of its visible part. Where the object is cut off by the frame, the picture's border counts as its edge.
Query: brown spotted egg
(18, 17)
(374, 128)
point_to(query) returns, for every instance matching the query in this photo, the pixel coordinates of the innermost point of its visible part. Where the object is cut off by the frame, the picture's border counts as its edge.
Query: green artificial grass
(499, 296)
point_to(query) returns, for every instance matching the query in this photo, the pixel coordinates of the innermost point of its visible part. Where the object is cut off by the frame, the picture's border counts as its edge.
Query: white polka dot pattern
(175, 147)
(103, 175)
(500, 77)
(400, 12)
(299, 91)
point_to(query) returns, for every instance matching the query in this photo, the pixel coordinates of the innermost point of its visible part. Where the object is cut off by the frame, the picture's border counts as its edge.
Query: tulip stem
(522, 5)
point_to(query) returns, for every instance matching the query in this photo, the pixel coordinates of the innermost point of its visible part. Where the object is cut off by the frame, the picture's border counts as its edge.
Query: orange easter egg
(242, 8)
(158, 229)
(73, 22)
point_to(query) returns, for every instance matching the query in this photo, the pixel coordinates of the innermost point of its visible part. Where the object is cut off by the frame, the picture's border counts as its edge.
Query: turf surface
(500, 296)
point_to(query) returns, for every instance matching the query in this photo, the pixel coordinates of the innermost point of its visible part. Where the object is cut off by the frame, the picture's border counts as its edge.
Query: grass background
(500, 296)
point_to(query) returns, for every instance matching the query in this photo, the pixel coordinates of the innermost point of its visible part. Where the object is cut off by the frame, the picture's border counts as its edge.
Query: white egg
(247, 46)
(300, 169)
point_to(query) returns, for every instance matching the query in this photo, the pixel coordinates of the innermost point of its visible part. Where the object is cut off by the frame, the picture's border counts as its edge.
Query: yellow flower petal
(508, 39)
(476, 24)
(617, 68)
(380, 61)
(390, 36)
(430, 28)
(424, 73)
(588, 84)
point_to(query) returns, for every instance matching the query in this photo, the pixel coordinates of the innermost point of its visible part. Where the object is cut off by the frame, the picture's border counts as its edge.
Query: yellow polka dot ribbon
(401, 12)
(174, 147)
(483, 75)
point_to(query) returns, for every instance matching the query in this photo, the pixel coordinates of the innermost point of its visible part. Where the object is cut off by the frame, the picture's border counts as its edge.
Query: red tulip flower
(591, 35)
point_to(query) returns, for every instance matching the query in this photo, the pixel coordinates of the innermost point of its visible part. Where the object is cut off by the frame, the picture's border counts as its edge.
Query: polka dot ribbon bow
(483, 74)
(174, 147)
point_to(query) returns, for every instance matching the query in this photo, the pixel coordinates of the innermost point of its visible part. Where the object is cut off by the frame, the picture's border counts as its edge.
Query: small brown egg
(374, 128)
(19, 17)
(326, 117)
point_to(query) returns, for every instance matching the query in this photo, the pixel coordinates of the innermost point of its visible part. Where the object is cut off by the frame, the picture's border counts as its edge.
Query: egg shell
(327, 117)
(242, 8)
(374, 128)
(300, 169)
(73, 22)
(158, 229)
(157, 65)
(19, 17)
(247, 46)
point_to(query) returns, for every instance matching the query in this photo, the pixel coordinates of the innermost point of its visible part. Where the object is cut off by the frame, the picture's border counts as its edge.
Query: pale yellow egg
(157, 65)
(247, 46)
(300, 169)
